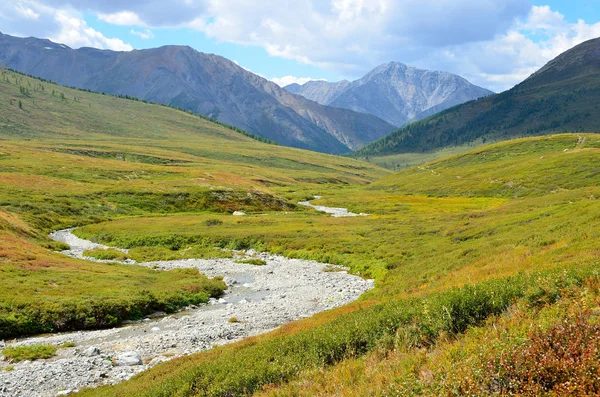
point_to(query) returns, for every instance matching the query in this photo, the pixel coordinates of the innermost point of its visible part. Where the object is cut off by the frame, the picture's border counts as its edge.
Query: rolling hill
(485, 263)
(560, 97)
(480, 254)
(205, 84)
(70, 157)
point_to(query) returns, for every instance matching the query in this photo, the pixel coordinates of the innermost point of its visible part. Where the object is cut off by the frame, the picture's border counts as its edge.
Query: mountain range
(563, 96)
(394, 92)
(202, 83)
(327, 117)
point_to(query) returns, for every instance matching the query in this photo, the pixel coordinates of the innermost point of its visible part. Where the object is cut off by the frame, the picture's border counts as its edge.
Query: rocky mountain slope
(202, 83)
(394, 92)
(562, 96)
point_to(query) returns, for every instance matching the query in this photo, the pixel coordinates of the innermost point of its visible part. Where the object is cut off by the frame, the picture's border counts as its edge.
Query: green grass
(454, 245)
(419, 246)
(254, 261)
(526, 167)
(400, 161)
(106, 254)
(415, 323)
(14, 354)
(71, 158)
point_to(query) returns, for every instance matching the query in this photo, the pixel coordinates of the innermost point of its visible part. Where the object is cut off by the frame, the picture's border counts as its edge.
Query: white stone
(127, 359)
(91, 351)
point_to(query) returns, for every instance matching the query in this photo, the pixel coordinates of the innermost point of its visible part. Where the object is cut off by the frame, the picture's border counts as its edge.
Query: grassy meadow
(498, 244)
(70, 158)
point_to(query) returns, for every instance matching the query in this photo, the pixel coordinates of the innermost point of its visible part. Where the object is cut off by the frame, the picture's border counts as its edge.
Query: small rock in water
(91, 351)
(128, 359)
(239, 213)
(221, 300)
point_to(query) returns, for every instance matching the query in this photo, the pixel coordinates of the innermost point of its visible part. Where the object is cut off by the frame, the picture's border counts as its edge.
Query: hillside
(476, 255)
(69, 157)
(202, 83)
(394, 92)
(495, 245)
(561, 97)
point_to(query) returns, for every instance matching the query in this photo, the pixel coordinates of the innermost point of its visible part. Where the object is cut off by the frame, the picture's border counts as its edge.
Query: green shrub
(32, 352)
(109, 254)
(403, 324)
(253, 261)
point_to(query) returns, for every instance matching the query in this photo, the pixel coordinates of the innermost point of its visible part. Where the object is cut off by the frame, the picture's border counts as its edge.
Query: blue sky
(493, 43)
(588, 10)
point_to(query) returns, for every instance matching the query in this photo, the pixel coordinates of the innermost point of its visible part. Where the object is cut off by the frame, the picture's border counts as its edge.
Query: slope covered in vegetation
(561, 97)
(499, 242)
(69, 158)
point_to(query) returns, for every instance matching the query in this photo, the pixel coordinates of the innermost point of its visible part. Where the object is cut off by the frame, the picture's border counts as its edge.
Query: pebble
(283, 290)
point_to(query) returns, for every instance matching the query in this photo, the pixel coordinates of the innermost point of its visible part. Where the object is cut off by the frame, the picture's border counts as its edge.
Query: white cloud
(76, 33)
(145, 34)
(351, 36)
(513, 56)
(62, 25)
(287, 80)
(123, 18)
(26, 12)
(493, 43)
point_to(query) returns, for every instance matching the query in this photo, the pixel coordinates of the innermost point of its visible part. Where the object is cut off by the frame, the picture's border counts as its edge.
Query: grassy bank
(70, 158)
(444, 264)
(494, 238)
(404, 324)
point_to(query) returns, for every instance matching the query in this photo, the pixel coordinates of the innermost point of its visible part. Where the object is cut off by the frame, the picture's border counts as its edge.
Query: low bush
(563, 360)
(109, 254)
(241, 370)
(15, 354)
(253, 261)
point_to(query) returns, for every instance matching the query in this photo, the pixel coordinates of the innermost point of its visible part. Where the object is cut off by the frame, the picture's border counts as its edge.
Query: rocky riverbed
(259, 299)
(333, 211)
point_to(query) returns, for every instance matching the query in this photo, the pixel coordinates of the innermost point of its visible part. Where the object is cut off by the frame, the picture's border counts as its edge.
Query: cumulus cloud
(61, 25)
(145, 34)
(351, 36)
(513, 56)
(123, 18)
(155, 13)
(493, 43)
(287, 80)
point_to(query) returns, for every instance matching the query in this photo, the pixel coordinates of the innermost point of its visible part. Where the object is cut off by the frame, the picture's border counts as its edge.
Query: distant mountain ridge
(202, 83)
(562, 96)
(394, 92)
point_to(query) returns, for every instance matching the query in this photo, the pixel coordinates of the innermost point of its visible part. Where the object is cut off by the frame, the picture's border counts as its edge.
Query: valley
(258, 299)
(211, 255)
